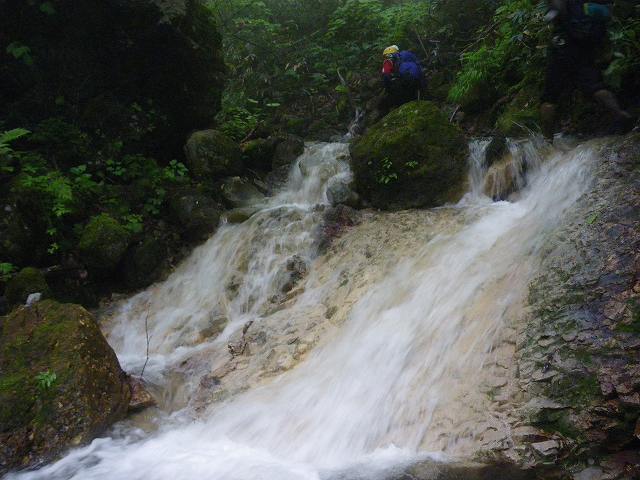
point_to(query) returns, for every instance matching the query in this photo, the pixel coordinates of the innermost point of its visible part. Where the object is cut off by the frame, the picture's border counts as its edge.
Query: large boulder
(103, 243)
(258, 153)
(211, 154)
(27, 281)
(240, 192)
(144, 262)
(289, 148)
(412, 158)
(196, 213)
(60, 383)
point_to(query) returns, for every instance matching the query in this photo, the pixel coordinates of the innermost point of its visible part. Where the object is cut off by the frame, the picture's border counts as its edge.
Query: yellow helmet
(390, 50)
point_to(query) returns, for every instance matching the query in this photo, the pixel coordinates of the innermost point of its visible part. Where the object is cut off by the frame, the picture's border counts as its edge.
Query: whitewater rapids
(393, 375)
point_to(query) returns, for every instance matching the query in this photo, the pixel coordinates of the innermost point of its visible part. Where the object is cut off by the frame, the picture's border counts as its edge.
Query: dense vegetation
(98, 102)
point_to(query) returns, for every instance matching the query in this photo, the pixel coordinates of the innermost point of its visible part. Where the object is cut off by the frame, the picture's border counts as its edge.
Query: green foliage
(20, 52)
(6, 271)
(45, 380)
(386, 174)
(133, 223)
(6, 151)
(625, 40)
(52, 186)
(510, 49)
(9, 136)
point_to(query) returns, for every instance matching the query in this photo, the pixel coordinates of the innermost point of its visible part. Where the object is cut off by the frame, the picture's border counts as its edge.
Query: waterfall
(396, 377)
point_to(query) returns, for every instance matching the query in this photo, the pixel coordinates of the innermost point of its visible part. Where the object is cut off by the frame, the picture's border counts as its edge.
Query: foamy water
(410, 349)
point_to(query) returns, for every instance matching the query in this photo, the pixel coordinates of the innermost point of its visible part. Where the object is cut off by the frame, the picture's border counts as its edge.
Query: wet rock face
(335, 221)
(60, 383)
(411, 158)
(579, 354)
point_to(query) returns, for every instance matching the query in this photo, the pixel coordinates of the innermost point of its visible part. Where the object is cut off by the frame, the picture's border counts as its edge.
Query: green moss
(87, 394)
(559, 422)
(576, 390)
(103, 243)
(28, 280)
(413, 157)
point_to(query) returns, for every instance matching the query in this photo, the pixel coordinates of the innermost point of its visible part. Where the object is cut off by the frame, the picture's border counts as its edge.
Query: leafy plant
(176, 171)
(21, 52)
(387, 175)
(6, 271)
(45, 380)
(133, 223)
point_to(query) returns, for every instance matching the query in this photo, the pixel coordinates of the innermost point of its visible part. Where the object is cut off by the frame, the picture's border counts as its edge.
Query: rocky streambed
(519, 351)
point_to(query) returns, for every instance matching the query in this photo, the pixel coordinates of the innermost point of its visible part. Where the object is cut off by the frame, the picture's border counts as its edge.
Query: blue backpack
(588, 21)
(408, 65)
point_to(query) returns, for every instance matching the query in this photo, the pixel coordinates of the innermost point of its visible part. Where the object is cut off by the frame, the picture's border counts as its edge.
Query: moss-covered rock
(239, 192)
(197, 214)
(288, 149)
(27, 281)
(103, 243)
(413, 157)
(211, 154)
(258, 154)
(144, 261)
(60, 382)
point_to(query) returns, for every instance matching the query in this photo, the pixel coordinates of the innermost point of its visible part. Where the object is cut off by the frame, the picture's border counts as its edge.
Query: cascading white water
(388, 383)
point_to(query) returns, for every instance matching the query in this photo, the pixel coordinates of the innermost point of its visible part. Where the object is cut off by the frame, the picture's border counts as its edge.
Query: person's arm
(557, 10)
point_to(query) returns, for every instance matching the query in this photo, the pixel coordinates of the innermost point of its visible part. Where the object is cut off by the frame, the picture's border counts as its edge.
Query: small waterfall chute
(399, 374)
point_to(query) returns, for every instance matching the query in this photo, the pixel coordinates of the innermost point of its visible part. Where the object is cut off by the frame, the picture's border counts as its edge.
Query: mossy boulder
(103, 243)
(60, 383)
(27, 281)
(411, 158)
(197, 214)
(289, 148)
(258, 153)
(239, 192)
(144, 262)
(211, 154)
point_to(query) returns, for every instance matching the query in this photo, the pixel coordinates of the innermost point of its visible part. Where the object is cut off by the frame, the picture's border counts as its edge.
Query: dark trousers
(402, 90)
(572, 65)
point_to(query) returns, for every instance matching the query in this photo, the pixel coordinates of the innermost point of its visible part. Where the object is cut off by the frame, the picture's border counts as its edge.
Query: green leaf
(11, 135)
(342, 89)
(20, 52)
(47, 8)
(592, 219)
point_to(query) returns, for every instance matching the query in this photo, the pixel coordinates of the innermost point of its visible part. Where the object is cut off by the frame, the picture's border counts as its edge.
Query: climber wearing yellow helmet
(402, 77)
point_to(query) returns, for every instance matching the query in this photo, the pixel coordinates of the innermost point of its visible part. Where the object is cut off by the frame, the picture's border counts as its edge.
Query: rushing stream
(394, 375)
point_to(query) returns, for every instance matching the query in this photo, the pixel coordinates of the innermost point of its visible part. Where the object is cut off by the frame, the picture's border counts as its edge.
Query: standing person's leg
(556, 79)
(591, 83)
